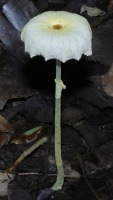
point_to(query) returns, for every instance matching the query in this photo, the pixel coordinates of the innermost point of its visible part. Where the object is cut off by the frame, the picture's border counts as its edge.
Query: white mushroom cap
(58, 35)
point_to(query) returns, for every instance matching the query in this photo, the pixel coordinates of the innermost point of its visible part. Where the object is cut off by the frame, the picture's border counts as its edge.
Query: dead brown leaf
(107, 81)
(5, 126)
(28, 137)
(4, 138)
(110, 6)
(4, 181)
(5, 129)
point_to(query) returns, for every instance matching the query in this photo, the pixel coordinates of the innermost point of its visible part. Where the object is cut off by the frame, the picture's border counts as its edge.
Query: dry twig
(26, 153)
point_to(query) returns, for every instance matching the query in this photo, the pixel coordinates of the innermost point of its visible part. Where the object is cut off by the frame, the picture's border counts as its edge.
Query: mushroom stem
(59, 86)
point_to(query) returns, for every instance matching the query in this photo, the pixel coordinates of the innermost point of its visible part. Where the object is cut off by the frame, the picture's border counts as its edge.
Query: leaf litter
(84, 100)
(5, 130)
(28, 137)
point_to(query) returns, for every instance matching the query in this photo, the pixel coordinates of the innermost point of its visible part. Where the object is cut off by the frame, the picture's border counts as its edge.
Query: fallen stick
(26, 153)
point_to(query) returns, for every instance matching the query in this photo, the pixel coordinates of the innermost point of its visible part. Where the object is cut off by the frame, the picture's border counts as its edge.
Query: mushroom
(62, 36)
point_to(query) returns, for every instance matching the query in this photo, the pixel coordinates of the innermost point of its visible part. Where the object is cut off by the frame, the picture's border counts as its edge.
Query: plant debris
(26, 101)
(5, 179)
(28, 136)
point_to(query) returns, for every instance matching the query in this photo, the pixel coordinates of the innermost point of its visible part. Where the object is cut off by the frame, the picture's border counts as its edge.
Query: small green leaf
(31, 131)
(28, 136)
